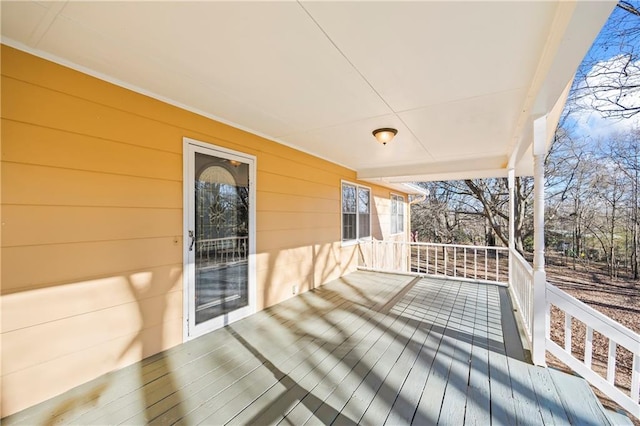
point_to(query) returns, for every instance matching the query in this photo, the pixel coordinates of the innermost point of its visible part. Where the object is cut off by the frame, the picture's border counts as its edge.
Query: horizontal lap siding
(41, 224)
(92, 225)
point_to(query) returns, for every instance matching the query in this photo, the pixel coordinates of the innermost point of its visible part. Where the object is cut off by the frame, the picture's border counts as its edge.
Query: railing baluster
(418, 264)
(374, 255)
(547, 318)
(475, 263)
(567, 332)
(455, 263)
(426, 260)
(497, 266)
(426, 269)
(611, 362)
(444, 249)
(465, 262)
(435, 257)
(635, 379)
(528, 292)
(588, 347)
(486, 264)
(386, 255)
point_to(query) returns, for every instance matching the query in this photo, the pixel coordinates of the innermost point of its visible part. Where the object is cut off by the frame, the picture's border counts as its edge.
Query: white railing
(617, 335)
(223, 250)
(388, 256)
(477, 263)
(521, 288)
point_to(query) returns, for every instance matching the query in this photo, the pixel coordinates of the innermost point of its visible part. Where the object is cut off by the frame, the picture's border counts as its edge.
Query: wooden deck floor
(366, 349)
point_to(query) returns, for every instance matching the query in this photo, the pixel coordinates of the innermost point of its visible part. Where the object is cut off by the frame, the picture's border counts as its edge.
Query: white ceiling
(461, 81)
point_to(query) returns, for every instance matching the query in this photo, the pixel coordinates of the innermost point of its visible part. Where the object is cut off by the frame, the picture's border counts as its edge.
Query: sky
(614, 57)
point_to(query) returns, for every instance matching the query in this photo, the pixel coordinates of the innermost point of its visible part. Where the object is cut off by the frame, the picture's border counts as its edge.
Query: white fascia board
(402, 187)
(574, 29)
(463, 169)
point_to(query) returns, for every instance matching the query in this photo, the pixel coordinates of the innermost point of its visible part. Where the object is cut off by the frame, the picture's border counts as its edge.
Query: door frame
(190, 332)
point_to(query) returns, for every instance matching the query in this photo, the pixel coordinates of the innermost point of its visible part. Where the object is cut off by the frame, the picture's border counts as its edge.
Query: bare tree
(570, 171)
(624, 150)
(611, 86)
(475, 211)
(444, 216)
(610, 183)
(493, 197)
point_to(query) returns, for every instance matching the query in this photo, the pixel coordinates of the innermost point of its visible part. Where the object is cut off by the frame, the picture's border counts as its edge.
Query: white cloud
(606, 97)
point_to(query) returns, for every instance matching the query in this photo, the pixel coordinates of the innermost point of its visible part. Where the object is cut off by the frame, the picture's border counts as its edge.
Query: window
(397, 214)
(356, 212)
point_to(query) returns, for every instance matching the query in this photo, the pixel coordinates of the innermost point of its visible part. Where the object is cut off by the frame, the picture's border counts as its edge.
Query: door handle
(193, 240)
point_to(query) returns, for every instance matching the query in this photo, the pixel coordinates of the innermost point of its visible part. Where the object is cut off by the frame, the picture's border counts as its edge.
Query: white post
(512, 225)
(539, 275)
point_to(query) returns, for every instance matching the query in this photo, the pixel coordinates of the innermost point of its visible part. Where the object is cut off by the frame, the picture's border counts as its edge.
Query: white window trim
(347, 243)
(404, 214)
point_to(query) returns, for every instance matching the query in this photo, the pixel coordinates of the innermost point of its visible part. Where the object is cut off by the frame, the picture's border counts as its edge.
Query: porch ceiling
(461, 81)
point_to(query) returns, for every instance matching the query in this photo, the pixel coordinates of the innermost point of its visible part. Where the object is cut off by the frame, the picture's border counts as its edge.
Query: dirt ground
(618, 298)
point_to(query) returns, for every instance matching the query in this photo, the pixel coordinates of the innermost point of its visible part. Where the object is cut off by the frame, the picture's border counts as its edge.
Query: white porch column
(539, 274)
(512, 215)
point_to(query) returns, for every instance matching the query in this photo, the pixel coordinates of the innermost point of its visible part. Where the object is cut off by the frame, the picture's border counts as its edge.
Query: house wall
(91, 243)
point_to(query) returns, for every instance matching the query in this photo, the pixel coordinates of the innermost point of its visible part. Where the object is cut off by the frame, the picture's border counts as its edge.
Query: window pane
(364, 225)
(348, 198)
(348, 226)
(397, 214)
(363, 200)
(394, 218)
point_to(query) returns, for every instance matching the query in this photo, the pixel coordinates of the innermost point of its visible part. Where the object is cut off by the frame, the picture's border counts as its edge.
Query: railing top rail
(618, 332)
(222, 239)
(497, 248)
(413, 243)
(522, 260)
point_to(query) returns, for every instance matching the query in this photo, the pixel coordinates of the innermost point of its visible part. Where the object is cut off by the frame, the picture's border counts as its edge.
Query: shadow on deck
(368, 348)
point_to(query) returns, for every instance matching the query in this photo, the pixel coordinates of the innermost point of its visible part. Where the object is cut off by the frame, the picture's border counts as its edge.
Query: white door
(219, 237)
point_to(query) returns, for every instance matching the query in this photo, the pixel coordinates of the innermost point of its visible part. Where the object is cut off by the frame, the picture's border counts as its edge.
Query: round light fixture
(384, 134)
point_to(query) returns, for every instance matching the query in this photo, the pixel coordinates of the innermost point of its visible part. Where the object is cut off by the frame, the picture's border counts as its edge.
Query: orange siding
(92, 225)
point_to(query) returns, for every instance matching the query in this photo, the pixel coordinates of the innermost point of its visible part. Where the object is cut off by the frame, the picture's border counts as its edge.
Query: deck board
(456, 382)
(357, 366)
(526, 404)
(578, 400)
(369, 348)
(305, 384)
(351, 379)
(478, 410)
(551, 408)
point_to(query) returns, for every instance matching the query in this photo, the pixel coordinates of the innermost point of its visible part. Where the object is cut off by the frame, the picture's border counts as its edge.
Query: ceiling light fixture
(384, 134)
